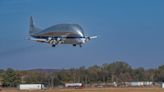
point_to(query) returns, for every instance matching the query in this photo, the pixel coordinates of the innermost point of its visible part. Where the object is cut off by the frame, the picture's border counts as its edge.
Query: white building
(136, 83)
(73, 84)
(31, 86)
(162, 85)
(140, 83)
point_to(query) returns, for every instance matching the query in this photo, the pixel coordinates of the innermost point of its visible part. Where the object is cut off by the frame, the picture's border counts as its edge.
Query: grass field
(91, 90)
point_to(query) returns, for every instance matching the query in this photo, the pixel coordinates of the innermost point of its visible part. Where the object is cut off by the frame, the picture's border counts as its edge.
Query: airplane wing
(38, 40)
(92, 37)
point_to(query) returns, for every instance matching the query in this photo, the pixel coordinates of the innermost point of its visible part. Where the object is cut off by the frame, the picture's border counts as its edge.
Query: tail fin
(33, 29)
(31, 22)
(31, 26)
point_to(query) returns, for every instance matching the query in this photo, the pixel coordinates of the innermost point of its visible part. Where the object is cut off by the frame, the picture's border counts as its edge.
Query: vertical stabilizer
(33, 29)
(31, 26)
(31, 22)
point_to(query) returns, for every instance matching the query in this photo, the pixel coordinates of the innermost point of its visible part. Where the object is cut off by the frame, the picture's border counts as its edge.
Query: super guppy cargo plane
(59, 34)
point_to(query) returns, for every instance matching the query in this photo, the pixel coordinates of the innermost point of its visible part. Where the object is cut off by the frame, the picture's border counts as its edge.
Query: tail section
(31, 22)
(33, 29)
(31, 25)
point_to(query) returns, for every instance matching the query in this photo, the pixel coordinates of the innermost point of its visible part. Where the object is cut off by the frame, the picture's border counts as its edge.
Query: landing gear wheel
(53, 45)
(74, 44)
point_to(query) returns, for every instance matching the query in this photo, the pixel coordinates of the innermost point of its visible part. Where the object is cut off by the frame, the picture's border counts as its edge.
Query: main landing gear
(53, 45)
(76, 44)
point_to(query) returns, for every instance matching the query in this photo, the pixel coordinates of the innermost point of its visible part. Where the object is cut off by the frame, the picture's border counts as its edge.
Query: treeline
(113, 72)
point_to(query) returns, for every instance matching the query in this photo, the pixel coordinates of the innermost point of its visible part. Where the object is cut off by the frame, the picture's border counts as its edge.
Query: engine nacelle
(52, 41)
(55, 40)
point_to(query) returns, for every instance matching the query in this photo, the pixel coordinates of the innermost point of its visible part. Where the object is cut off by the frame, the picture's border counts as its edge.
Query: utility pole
(52, 81)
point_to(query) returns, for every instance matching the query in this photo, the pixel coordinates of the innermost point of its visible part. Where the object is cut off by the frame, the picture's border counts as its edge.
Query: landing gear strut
(80, 45)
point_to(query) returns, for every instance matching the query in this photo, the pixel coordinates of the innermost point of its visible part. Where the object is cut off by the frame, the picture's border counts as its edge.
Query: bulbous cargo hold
(71, 30)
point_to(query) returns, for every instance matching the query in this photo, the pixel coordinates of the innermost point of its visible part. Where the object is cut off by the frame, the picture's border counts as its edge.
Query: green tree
(11, 79)
(160, 74)
(120, 71)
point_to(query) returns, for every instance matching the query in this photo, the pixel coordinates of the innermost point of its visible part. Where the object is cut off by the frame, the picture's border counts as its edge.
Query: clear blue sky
(128, 30)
